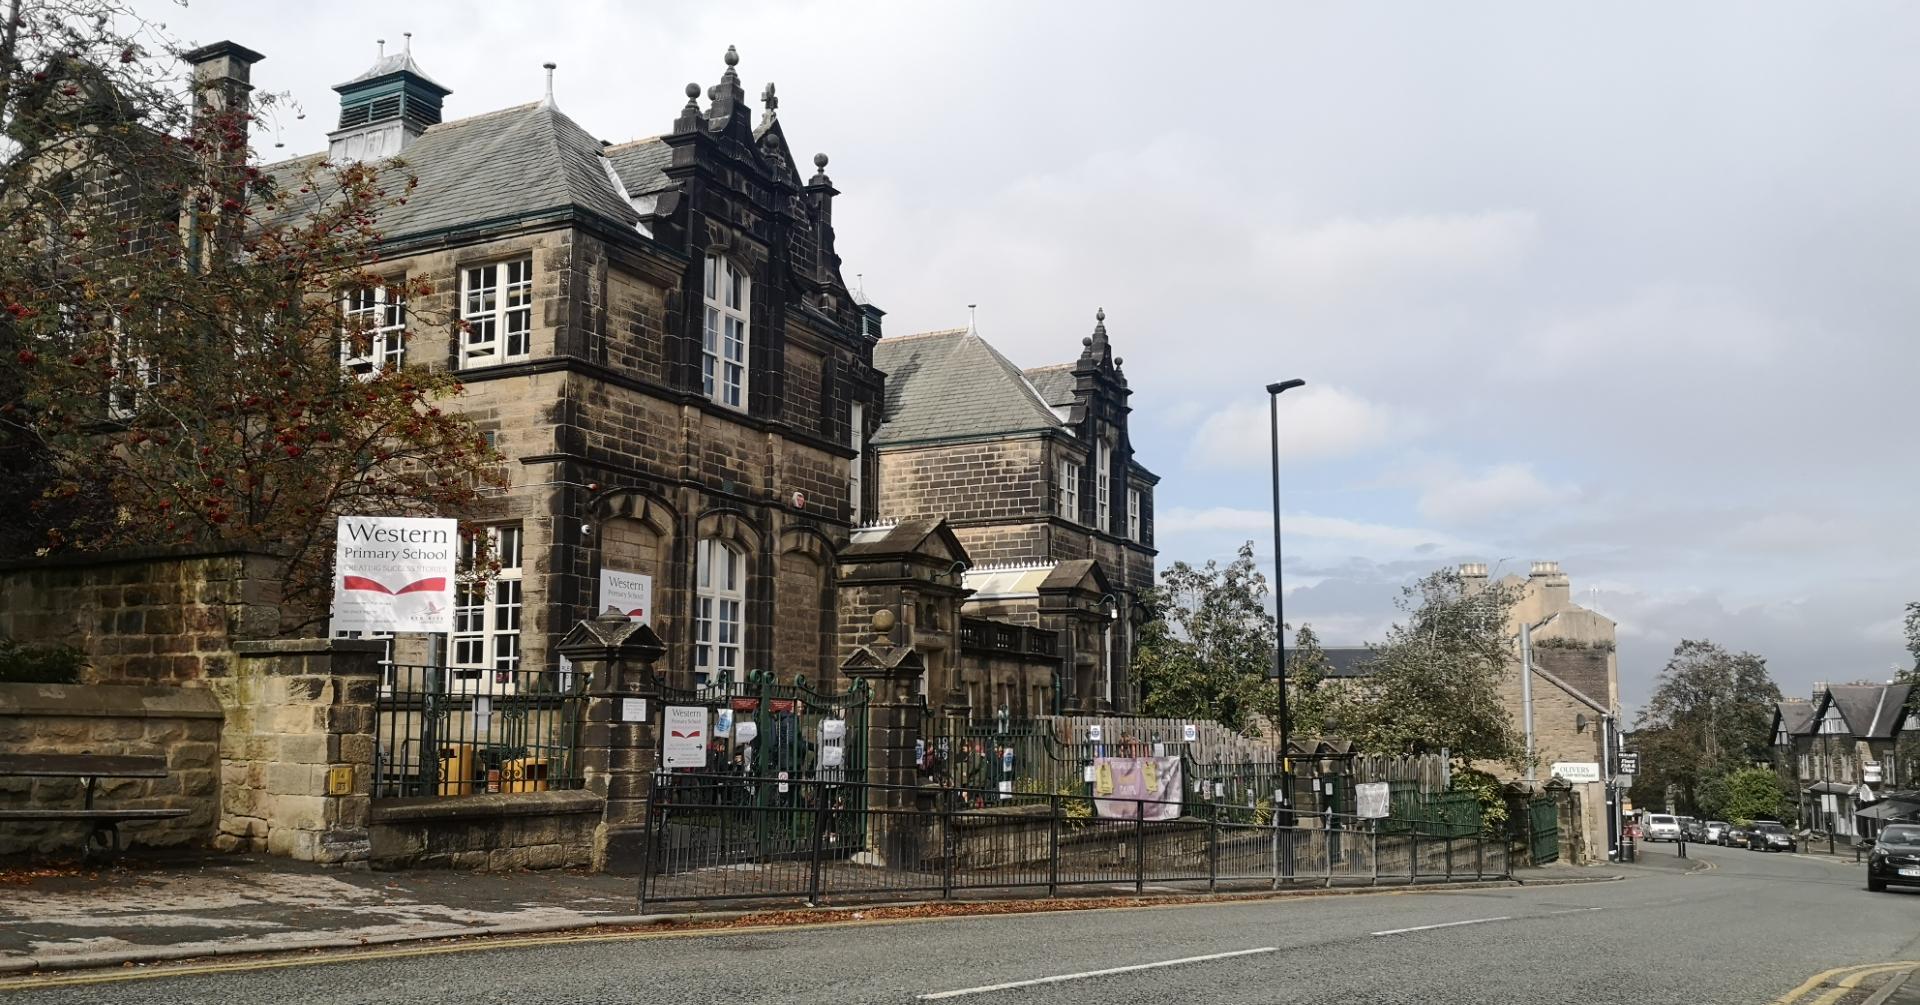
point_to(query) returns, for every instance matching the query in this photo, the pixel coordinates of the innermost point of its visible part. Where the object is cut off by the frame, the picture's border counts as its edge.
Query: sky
(1626, 286)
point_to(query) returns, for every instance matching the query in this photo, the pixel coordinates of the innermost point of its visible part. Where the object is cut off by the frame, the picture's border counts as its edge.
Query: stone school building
(658, 336)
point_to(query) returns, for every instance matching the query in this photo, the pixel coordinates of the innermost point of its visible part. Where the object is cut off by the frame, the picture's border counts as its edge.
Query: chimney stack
(222, 79)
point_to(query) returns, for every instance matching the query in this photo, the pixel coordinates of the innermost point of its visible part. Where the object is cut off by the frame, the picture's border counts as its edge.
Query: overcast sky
(1628, 286)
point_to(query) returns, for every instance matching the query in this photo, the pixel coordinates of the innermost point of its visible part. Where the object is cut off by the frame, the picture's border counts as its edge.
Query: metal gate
(1543, 830)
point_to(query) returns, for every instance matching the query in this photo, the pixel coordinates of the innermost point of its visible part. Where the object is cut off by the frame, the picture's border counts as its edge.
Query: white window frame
(1133, 515)
(496, 302)
(380, 314)
(720, 602)
(1103, 485)
(486, 612)
(1070, 490)
(856, 483)
(123, 394)
(726, 333)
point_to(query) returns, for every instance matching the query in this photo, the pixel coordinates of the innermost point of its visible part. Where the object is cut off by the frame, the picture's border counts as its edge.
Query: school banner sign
(629, 592)
(394, 574)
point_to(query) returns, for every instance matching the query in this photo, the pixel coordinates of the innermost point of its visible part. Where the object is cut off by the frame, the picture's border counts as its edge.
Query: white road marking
(1445, 924)
(1577, 910)
(1061, 978)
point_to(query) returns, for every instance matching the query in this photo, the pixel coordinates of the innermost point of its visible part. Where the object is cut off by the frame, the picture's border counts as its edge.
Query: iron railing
(459, 732)
(718, 838)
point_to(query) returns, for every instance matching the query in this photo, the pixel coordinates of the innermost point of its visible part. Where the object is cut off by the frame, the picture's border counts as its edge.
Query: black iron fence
(458, 732)
(721, 837)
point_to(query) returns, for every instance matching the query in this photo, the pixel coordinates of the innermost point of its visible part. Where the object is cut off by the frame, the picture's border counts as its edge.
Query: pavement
(185, 908)
(1723, 927)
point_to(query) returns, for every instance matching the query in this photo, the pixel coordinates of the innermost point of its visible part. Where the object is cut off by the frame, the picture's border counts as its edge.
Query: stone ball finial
(733, 56)
(883, 620)
(1088, 341)
(693, 92)
(820, 161)
(1117, 361)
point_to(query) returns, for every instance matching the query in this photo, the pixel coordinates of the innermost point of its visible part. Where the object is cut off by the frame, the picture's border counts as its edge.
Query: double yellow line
(1844, 980)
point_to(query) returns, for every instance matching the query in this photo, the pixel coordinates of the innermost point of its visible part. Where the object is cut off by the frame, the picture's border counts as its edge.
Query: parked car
(1693, 828)
(1735, 836)
(1662, 827)
(1769, 835)
(1895, 859)
(1716, 832)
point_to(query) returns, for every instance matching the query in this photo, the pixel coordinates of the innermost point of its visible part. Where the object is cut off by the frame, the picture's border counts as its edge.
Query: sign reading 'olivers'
(394, 574)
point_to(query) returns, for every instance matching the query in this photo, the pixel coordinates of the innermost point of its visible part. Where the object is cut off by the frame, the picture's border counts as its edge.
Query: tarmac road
(1745, 927)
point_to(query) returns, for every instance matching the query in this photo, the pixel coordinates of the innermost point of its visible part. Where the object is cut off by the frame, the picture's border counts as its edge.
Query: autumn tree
(1209, 650)
(1434, 683)
(171, 318)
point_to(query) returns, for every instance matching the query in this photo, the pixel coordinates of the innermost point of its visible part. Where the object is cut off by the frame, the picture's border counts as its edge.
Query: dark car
(1735, 836)
(1769, 835)
(1895, 859)
(1694, 828)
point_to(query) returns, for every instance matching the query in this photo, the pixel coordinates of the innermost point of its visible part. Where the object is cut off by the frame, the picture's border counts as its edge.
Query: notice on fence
(1371, 799)
(394, 574)
(683, 739)
(1131, 787)
(833, 750)
(629, 592)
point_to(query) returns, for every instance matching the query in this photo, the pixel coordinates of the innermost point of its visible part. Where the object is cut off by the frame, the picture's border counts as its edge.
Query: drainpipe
(1526, 692)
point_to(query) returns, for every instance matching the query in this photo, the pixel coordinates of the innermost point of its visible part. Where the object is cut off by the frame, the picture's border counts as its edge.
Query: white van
(1662, 827)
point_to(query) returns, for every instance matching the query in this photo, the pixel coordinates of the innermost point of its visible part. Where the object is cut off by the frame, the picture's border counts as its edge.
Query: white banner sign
(684, 736)
(629, 592)
(394, 574)
(1372, 798)
(1577, 771)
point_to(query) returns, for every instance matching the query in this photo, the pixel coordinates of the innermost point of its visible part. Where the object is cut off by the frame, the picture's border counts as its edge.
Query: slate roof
(1796, 717)
(1055, 383)
(396, 63)
(1872, 711)
(526, 159)
(953, 385)
(1343, 662)
(641, 164)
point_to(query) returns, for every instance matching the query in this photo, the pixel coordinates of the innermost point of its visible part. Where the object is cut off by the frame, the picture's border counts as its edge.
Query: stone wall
(539, 830)
(143, 617)
(999, 480)
(180, 724)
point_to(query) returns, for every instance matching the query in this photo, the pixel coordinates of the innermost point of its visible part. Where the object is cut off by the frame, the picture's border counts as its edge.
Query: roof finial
(407, 43)
(382, 43)
(548, 101)
(769, 99)
(693, 96)
(972, 329)
(733, 60)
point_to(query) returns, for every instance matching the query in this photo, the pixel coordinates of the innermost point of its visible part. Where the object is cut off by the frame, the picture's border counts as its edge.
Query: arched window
(720, 596)
(723, 365)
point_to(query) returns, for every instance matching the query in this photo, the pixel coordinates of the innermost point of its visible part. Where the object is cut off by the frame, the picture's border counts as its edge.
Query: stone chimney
(1473, 577)
(1553, 586)
(1819, 691)
(222, 79)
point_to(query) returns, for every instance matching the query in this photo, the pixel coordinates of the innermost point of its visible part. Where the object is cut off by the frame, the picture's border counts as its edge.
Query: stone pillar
(896, 726)
(618, 752)
(297, 748)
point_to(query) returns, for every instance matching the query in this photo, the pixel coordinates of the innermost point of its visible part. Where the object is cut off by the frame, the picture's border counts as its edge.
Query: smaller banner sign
(683, 739)
(629, 592)
(394, 574)
(1372, 800)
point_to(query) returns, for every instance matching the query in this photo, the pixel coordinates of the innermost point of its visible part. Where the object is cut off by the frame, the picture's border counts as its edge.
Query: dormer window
(723, 370)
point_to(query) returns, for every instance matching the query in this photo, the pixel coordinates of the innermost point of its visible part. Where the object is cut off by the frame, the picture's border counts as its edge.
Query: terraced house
(658, 336)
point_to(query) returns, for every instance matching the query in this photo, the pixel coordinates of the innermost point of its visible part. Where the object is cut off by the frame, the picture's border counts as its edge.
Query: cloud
(1336, 257)
(1316, 422)
(1458, 497)
(1663, 325)
(1305, 526)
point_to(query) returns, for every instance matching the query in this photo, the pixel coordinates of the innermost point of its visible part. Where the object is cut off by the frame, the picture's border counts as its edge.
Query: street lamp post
(1284, 812)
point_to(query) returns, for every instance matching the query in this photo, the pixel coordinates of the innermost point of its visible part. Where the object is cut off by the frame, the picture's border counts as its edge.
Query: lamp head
(1285, 385)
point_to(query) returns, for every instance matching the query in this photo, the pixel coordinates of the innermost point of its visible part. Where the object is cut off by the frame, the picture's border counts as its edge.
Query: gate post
(619, 748)
(896, 723)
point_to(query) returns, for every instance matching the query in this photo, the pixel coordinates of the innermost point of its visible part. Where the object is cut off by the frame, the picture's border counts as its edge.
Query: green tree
(1709, 716)
(1911, 675)
(1752, 794)
(171, 329)
(1435, 681)
(1309, 699)
(1208, 651)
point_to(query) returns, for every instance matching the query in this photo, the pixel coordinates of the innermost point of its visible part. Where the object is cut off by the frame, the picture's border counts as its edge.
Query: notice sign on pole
(628, 592)
(684, 736)
(394, 574)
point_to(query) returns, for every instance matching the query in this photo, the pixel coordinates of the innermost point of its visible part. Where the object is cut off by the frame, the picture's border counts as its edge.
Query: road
(1745, 928)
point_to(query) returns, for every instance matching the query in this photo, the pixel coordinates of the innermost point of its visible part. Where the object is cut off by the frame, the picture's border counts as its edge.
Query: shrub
(40, 664)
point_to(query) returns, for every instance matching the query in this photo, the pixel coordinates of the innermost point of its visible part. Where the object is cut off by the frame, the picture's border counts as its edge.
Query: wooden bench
(89, 768)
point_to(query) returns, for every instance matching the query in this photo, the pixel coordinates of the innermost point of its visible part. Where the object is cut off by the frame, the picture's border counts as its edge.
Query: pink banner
(1127, 787)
